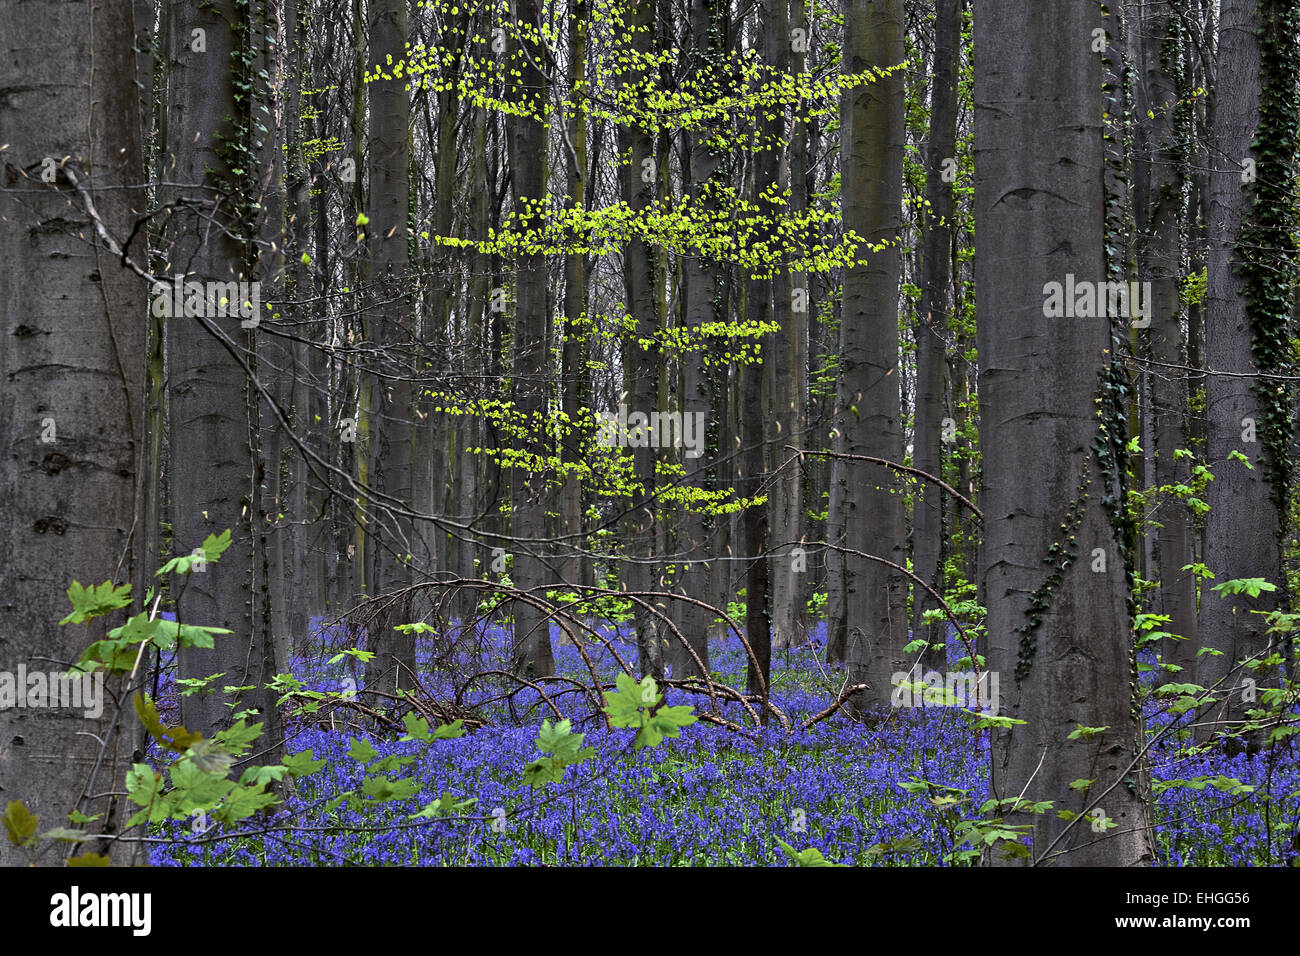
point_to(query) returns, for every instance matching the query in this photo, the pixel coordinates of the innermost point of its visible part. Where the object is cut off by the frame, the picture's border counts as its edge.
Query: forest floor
(893, 789)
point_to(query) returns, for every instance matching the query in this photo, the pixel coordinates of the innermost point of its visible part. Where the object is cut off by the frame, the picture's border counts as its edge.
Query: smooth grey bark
(389, 317)
(641, 365)
(478, 289)
(306, 368)
(433, 438)
(210, 436)
(928, 540)
(273, 362)
(1241, 530)
(1158, 207)
(699, 293)
(766, 299)
(529, 496)
(576, 380)
(866, 506)
(721, 473)
(789, 362)
(1040, 216)
(72, 359)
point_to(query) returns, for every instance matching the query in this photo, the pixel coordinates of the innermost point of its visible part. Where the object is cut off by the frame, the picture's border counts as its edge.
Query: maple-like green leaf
(239, 737)
(417, 728)
(809, 857)
(303, 764)
(198, 789)
(95, 601)
(20, 823)
(362, 750)
(384, 788)
(449, 731)
(242, 803)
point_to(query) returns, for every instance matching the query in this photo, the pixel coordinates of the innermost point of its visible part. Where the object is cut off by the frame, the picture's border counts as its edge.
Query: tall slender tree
(1060, 633)
(72, 409)
(527, 146)
(932, 329)
(388, 320)
(640, 175)
(1249, 276)
(868, 626)
(211, 408)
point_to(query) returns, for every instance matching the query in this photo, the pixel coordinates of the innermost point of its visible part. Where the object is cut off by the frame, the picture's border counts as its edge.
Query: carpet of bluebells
(710, 797)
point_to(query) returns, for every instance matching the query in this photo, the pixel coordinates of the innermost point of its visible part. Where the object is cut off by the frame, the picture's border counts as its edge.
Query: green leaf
(243, 803)
(239, 738)
(362, 750)
(809, 857)
(383, 788)
(303, 764)
(213, 547)
(95, 601)
(566, 749)
(143, 784)
(20, 823)
(1248, 586)
(198, 789)
(88, 859)
(449, 731)
(417, 728)
(210, 757)
(1081, 731)
(443, 806)
(667, 722)
(173, 738)
(66, 834)
(261, 776)
(623, 705)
